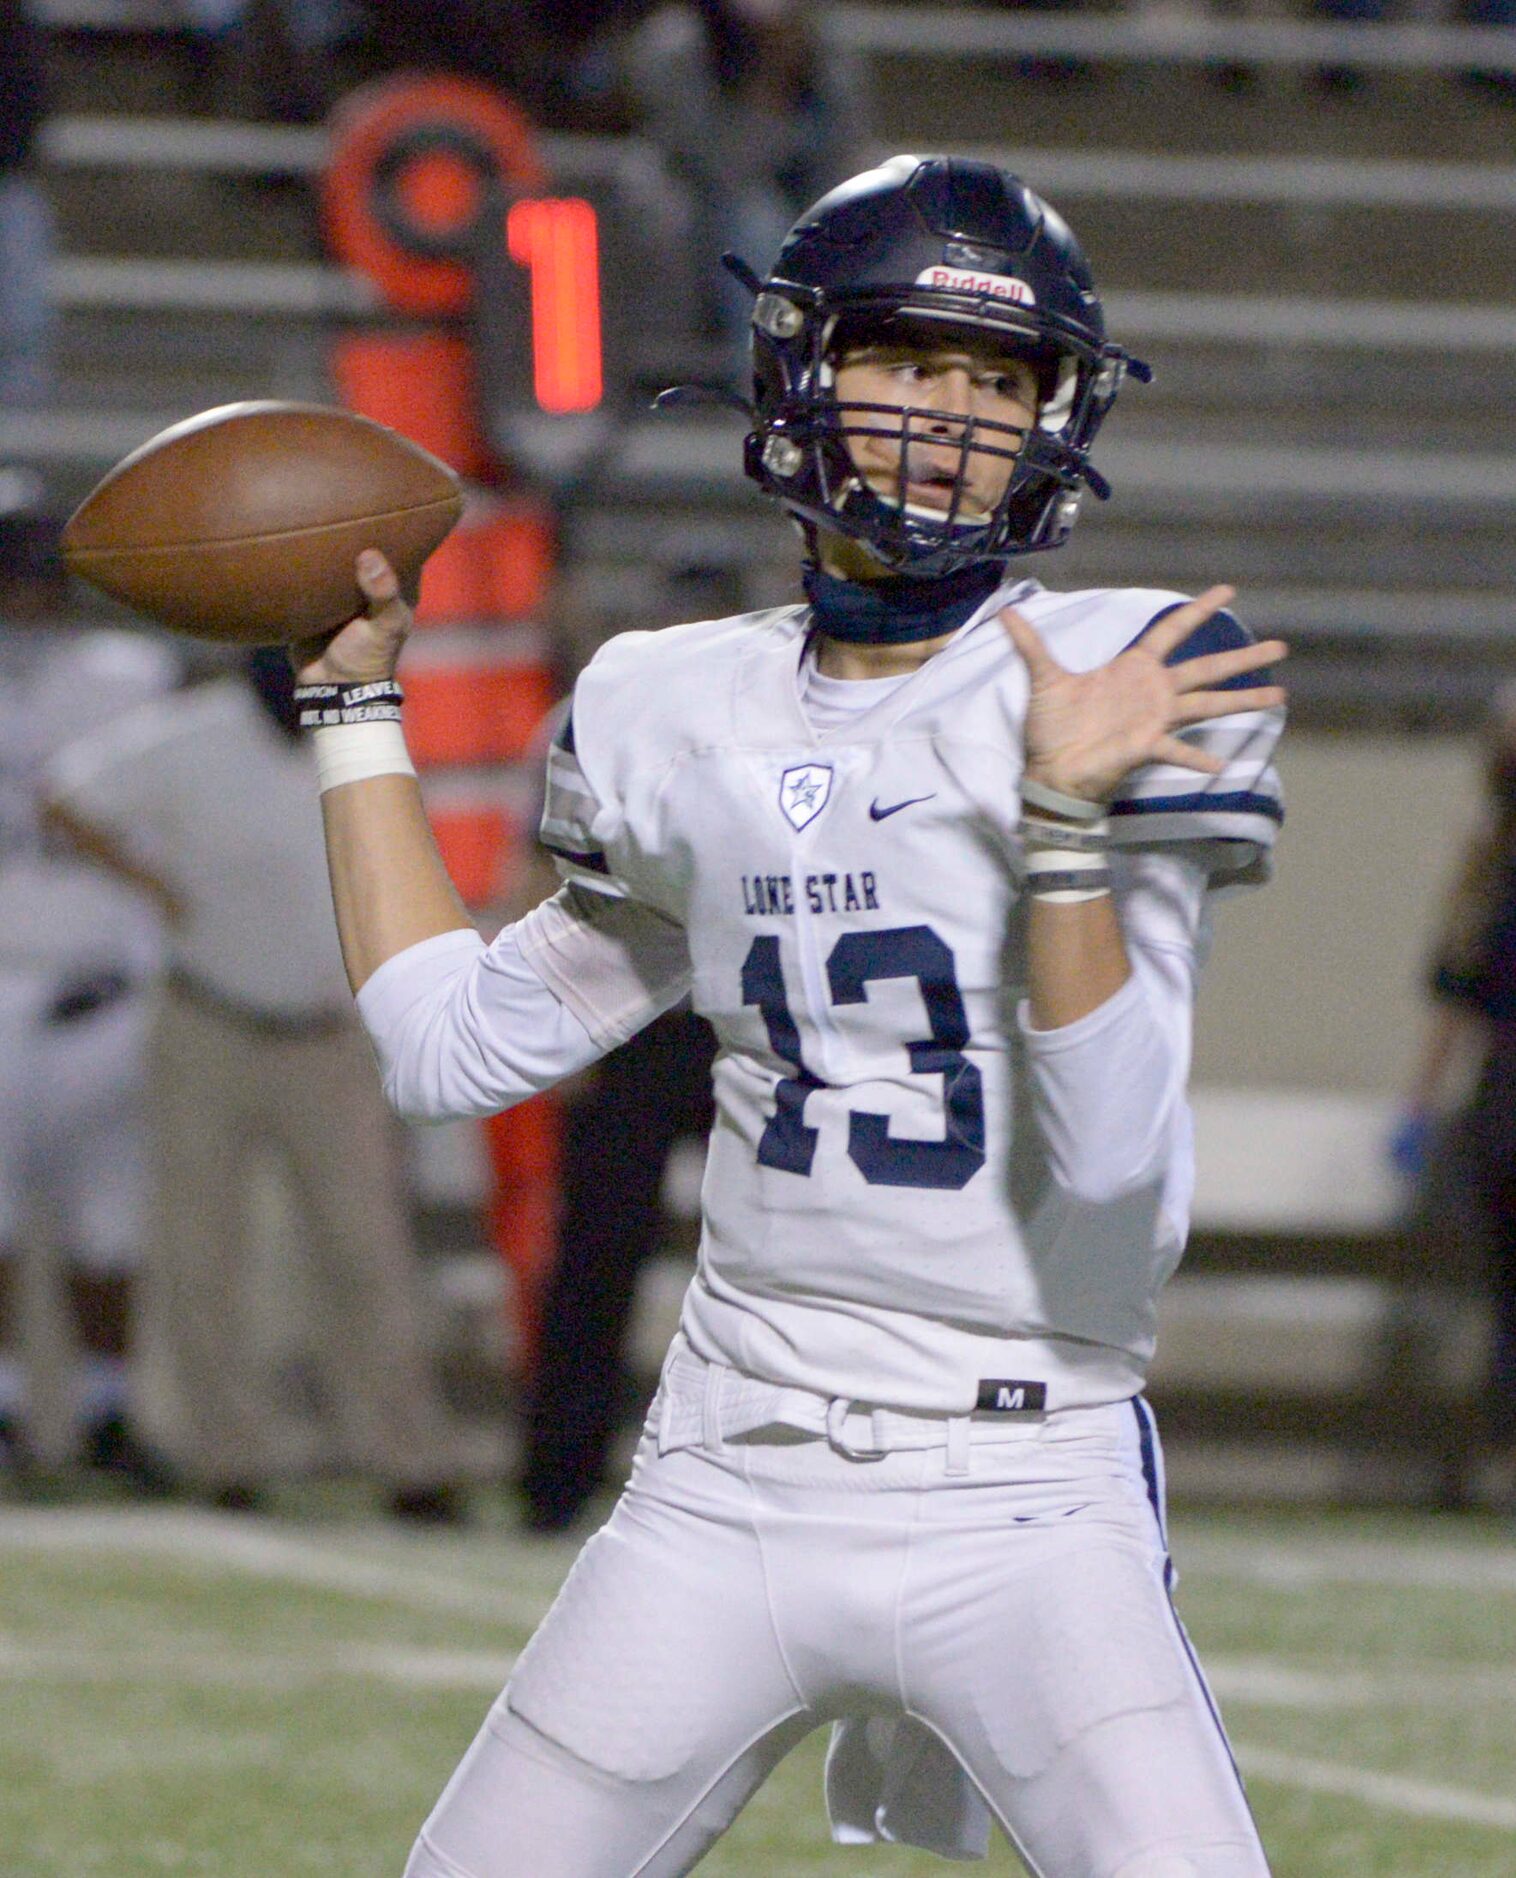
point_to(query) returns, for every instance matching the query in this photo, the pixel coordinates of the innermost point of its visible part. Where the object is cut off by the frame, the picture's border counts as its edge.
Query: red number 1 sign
(557, 241)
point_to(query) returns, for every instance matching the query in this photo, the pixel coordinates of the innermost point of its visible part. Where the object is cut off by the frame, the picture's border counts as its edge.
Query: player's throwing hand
(1086, 730)
(367, 648)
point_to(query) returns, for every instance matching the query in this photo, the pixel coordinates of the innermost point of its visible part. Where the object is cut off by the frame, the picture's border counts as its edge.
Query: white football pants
(1007, 1590)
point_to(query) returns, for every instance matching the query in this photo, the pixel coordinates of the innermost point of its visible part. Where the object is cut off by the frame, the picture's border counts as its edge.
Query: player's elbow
(1105, 1178)
(415, 1098)
(427, 1077)
(421, 1103)
(1107, 1121)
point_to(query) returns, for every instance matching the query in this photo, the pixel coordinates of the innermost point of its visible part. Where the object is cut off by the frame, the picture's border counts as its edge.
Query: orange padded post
(476, 844)
(421, 384)
(470, 714)
(494, 565)
(525, 1153)
(477, 685)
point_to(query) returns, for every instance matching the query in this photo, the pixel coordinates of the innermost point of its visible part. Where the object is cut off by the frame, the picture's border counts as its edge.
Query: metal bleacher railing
(1140, 36)
(314, 289)
(1136, 36)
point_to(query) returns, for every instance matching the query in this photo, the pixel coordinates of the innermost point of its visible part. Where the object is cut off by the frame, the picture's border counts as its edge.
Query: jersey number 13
(884, 1160)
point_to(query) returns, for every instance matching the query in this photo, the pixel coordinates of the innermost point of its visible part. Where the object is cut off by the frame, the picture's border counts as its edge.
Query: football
(242, 524)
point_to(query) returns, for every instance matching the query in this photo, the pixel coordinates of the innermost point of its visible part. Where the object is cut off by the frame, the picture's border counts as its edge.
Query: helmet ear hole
(1056, 402)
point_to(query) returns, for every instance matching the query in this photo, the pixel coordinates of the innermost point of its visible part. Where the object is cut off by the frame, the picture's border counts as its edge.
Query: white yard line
(422, 1572)
(1357, 1562)
(1390, 1792)
(258, 1550)
(1265, 1683)
(406, 1667)
(1246, 1681)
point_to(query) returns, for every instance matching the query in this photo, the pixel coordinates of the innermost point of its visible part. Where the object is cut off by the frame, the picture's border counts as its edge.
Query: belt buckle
(837, 1412)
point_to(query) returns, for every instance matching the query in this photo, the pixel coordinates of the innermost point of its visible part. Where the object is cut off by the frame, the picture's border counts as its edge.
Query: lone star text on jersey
(824, 893)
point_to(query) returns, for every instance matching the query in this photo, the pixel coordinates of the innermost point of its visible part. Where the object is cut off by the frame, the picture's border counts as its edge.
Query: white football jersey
(880, 1222)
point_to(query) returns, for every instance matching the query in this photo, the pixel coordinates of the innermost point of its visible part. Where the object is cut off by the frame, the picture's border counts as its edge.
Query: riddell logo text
(965, 280)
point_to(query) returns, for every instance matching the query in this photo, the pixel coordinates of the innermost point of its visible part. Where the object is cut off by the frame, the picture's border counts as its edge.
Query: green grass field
(236, 1699)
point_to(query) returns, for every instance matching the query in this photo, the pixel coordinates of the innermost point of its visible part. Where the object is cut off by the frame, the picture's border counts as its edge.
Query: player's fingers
(366, 648)
(1195, 705)
(1174, 628)
(1215, 668)
(1182, 755)
(1025, 637)
(378, 581)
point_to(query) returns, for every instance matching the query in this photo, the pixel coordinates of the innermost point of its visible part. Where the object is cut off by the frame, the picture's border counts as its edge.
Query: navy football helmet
(941, 246)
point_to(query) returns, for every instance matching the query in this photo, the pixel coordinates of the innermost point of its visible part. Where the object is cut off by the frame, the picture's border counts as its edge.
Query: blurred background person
(26, 218)
(265, 58)
(1470, 1043)
(205, 799)
(78, 955)
(757, 116)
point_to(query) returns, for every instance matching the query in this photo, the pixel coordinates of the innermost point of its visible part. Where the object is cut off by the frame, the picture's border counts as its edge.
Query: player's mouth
(932, 492)
(933, 489)
(938, 492)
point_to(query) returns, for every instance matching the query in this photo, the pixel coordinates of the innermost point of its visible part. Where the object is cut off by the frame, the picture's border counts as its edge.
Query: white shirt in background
(206, 791)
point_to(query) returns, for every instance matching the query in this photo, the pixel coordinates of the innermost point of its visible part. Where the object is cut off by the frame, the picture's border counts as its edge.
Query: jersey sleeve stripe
(569, 806)
(591, 860)
(1199, 802)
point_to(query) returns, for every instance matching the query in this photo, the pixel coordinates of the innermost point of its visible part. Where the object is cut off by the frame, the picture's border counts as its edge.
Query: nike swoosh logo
(877, 814)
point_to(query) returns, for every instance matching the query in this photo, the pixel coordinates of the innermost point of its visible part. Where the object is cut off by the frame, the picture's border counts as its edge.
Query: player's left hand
(1086, 730)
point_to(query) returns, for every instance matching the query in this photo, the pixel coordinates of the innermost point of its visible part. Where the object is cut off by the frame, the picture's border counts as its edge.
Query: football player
(932, 851)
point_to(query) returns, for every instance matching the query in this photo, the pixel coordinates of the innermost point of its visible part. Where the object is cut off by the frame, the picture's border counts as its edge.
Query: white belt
(705, 1404)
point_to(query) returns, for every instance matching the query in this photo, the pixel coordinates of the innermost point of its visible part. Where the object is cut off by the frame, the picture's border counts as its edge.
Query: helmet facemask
(808, 453)
(953, 454)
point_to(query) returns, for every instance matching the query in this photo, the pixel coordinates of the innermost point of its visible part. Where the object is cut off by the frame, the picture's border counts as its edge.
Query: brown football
(243, 524)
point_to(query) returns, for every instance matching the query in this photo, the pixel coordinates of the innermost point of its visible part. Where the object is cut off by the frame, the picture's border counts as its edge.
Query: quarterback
(932, 851)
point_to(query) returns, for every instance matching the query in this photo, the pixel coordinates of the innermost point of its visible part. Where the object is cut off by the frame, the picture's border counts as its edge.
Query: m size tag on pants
(1000, 1396)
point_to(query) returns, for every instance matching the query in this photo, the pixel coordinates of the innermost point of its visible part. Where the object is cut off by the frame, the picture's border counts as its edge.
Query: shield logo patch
(803, 792)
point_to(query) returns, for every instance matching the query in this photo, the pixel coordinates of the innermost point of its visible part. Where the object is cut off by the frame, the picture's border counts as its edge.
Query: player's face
(917, 460)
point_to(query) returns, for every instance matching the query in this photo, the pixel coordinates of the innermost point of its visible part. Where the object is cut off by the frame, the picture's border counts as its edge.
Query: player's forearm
(1076, 959)
(1076, 955)
(1107, 1086)
(390, 889)
(1106, 1089)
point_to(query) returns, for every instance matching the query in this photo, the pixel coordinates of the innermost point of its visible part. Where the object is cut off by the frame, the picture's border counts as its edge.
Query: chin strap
(899, 610)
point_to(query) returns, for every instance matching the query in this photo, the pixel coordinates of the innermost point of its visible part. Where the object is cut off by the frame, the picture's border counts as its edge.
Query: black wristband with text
(376, 702)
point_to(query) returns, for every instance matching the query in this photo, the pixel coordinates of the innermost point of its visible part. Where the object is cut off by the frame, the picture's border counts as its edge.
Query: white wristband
(1037, 795)
(348, 753)
(1063, 877)
(1065, 861)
